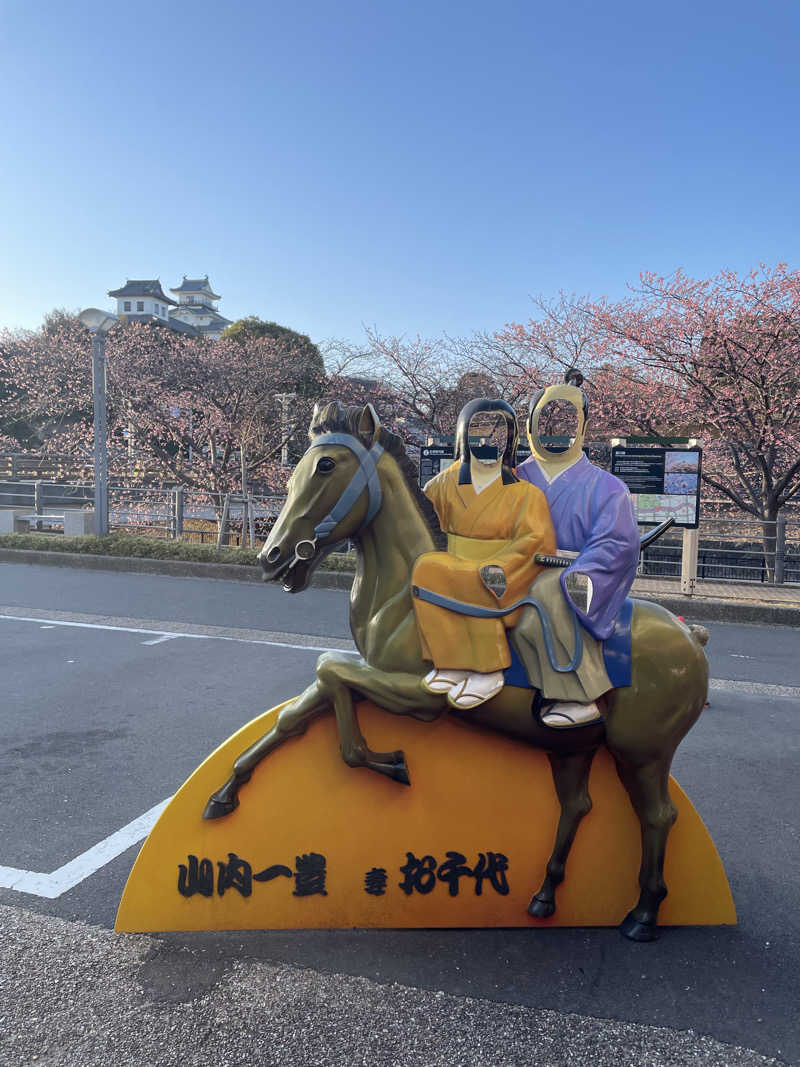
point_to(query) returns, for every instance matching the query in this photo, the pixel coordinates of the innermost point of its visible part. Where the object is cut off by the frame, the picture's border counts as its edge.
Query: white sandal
(442, 680)
(565, 713)
(475, 690)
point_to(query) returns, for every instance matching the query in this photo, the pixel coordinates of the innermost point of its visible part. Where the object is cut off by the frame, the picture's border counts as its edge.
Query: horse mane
(344, 418)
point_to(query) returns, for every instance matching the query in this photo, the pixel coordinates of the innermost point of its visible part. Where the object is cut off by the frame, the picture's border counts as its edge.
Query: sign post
(689, 561)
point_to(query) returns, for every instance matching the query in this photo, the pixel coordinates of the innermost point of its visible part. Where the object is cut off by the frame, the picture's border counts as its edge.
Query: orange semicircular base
(312, 836)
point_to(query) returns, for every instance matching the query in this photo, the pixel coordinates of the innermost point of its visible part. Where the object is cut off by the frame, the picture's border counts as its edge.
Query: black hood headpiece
(512, 435)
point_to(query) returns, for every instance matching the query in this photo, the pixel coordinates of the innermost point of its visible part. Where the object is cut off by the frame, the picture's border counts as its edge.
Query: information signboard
(432, 460)
(664, 482)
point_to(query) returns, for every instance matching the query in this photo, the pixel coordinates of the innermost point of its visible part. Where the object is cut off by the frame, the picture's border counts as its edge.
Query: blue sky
(416, 167)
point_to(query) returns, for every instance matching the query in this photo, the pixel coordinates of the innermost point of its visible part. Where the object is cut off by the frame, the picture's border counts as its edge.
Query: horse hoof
(635, 930)
(400, 773)
(216, 809)
(541, 909)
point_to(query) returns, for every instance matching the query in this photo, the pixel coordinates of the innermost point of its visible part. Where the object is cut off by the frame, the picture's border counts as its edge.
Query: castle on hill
(194, 312)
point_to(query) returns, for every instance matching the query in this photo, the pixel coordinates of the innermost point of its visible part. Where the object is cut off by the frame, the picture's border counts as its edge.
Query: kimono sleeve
(532, 532)
(437, 490)
(609, 556)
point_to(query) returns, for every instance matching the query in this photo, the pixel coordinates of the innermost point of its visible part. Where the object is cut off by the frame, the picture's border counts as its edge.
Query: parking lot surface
(117, 686)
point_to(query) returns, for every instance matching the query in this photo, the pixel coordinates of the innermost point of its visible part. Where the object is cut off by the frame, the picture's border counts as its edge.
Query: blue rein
(461, 607)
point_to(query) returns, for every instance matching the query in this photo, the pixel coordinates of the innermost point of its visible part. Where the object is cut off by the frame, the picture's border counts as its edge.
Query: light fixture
(97, 321)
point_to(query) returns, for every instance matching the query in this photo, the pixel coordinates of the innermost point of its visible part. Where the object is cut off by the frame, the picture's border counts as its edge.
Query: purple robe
(593, 515)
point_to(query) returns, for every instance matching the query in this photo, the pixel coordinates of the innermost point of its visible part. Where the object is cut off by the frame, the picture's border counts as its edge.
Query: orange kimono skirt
(504, 525)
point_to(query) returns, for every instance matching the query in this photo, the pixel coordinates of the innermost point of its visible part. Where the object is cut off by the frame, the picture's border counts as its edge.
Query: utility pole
(98, 323)
(243, 458)
(285, 399)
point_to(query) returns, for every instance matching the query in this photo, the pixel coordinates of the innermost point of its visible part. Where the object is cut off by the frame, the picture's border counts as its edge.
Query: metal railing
(730, 549)
(195, 516)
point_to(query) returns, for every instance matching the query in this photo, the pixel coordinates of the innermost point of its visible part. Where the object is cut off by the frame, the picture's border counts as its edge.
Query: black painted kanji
(197, 877)
(375, 881)
(420, 874)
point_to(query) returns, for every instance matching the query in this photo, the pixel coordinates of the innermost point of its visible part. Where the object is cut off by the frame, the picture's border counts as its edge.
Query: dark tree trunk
(770, 536)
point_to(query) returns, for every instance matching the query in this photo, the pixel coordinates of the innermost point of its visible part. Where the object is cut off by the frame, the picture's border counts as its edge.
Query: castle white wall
(142, 305)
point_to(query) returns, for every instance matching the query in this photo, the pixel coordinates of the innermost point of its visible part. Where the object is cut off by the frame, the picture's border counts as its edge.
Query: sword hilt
(552, 561)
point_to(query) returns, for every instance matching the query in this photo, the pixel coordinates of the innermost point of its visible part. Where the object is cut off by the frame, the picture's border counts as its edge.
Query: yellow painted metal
(472, 792)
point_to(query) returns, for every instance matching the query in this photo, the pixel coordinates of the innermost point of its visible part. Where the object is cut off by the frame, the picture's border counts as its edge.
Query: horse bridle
(366, 477)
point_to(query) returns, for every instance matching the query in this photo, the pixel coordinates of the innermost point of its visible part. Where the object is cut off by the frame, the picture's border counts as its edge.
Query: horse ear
(369, 424)
(312, 421)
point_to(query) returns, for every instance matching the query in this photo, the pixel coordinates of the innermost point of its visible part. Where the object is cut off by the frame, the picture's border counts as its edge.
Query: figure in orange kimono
(495, 525)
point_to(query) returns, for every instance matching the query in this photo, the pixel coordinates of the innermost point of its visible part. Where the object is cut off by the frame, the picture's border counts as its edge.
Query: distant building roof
(142, 287)
(196, 285)
(196, 310)
(168, 324)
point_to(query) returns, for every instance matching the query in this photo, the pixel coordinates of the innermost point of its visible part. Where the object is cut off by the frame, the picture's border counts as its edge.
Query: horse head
(333, 493)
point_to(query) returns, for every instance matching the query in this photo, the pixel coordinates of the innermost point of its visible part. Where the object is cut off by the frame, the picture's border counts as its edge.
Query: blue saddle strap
(474, 611)
(617, 647)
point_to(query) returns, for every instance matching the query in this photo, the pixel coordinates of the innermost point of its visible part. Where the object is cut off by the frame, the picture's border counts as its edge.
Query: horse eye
(325, 465)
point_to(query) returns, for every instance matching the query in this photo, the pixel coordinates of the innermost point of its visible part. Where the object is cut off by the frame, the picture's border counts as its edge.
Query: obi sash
(474, 548)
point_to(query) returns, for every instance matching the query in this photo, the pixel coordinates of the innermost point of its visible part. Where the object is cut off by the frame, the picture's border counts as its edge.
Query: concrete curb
(174, 568)
(706, 609)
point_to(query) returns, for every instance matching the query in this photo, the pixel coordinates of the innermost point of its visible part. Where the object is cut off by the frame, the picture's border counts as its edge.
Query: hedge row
(148, 548)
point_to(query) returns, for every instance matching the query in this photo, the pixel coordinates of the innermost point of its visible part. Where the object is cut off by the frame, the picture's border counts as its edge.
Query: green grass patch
(149, 548)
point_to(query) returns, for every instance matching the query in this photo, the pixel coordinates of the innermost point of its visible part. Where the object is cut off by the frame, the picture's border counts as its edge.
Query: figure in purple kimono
(594, 521)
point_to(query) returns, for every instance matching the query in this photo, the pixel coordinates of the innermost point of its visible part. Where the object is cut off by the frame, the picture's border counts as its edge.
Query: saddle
(616, 651)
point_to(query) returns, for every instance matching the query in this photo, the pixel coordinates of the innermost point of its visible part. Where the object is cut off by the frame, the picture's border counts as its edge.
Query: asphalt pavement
(97, 665)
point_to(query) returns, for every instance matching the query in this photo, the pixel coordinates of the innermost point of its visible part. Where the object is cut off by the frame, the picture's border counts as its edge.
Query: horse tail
(700, 634)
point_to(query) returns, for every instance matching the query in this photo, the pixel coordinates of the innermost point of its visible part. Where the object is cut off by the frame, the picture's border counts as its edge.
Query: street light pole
(100, 434)
(98, 324)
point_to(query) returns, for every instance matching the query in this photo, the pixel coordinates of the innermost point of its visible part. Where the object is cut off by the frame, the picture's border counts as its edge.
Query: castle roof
(142, 287)
(167, 324)
(199, 311)
(196, 285)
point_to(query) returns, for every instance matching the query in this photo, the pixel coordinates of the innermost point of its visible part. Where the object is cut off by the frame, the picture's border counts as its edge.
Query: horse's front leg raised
(340, 676)
(291, 721)
(571, 778)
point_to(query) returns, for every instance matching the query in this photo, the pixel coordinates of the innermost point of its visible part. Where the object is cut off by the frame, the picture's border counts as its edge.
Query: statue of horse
(356, 481)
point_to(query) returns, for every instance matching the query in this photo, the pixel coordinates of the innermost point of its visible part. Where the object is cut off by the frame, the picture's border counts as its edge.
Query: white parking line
(168, 635)
(79, 869)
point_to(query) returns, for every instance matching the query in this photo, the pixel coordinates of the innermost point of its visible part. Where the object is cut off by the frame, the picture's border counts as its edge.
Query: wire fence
(193, 515)
(731, 549)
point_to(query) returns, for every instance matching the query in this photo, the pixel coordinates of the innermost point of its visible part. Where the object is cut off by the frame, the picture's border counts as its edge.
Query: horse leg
(648, 788)
(571, 778)
(397, 692)
(291, 721)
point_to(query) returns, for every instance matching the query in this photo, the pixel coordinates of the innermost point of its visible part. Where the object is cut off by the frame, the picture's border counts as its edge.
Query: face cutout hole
(558, 426)
(488, 436)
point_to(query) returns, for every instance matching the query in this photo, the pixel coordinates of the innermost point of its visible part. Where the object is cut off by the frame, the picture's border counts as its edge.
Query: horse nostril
(273, 555)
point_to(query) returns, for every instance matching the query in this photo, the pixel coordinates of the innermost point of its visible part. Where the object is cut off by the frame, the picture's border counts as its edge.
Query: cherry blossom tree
(179, 408)
(209, 400)
(716, 358)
